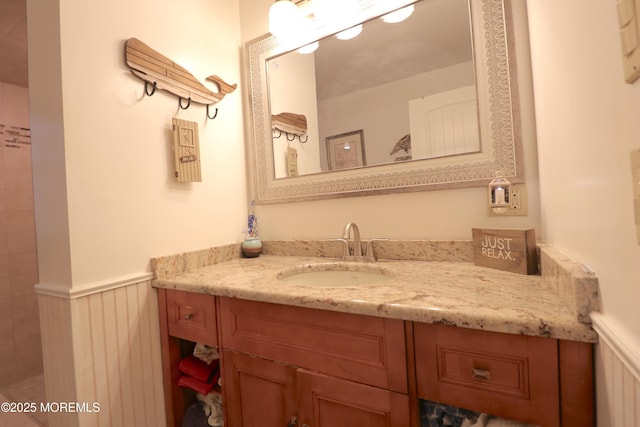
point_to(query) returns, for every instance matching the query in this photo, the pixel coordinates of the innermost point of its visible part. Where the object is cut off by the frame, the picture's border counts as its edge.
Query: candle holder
(500, 194)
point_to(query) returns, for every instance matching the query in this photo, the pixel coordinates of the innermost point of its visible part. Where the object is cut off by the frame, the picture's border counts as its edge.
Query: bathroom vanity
(314, 355)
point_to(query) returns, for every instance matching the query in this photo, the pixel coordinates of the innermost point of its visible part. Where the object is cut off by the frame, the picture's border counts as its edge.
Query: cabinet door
(257, 392)
(329, 402)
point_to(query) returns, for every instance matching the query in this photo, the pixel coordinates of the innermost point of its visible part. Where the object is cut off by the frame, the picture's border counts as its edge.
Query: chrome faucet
(354, 252)
(357, 243)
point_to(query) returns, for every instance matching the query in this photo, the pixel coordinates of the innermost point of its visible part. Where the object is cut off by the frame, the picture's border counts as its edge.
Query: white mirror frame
(497, 113)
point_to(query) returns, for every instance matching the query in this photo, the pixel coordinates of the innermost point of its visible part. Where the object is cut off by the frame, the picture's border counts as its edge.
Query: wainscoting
(617, 361)
(104, 347)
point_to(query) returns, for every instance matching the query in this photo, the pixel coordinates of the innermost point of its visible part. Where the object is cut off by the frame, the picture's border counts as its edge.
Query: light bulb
(310, 48)
(350, 33)
(398, 15)
(284, 19)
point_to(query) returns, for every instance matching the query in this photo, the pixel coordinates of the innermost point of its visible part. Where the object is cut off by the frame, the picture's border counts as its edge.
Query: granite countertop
(446, 291)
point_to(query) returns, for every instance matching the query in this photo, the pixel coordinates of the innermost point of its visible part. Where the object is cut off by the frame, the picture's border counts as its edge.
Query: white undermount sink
(333, 274)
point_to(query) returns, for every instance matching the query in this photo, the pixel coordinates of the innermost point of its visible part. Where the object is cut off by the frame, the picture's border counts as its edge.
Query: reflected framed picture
(346, 151)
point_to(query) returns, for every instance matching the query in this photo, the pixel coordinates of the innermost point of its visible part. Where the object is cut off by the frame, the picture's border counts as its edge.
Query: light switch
(635, 176)
(629, 29)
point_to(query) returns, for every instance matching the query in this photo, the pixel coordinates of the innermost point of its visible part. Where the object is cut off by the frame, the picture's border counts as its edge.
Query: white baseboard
(92, 288)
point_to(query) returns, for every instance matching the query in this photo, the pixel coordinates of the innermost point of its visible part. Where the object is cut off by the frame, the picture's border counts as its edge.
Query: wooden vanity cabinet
(328, 369)
(186, 318)
(318, 368)
(537, 380)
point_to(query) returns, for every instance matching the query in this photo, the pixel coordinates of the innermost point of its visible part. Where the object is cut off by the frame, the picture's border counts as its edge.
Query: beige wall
(587, 119)
(103, 163)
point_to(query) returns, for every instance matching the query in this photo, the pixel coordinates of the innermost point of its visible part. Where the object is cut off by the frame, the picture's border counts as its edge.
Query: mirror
(408, 87)
(350, 147)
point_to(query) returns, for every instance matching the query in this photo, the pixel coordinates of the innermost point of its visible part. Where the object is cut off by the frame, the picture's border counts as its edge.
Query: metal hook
(186, 106)
(214, 116)
(279, 133)
(305, 140)
(146, 88)
(292, 135)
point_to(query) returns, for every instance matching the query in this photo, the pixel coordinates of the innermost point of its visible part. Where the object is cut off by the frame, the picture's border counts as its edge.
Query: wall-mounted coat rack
(160, 72)
(293, 125)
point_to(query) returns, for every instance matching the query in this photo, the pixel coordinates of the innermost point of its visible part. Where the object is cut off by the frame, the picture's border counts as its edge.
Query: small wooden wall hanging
(293, 125)
(160, 72)
(186, 148)
(509, 250)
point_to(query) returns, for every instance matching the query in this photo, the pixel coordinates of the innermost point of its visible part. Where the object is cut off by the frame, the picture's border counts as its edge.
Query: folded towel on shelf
(206, 353)
(199, 369)
(212, 405)
(194, 384)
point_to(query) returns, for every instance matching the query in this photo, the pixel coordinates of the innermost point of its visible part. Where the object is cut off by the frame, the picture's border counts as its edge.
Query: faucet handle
(369, 252)
(345, 249)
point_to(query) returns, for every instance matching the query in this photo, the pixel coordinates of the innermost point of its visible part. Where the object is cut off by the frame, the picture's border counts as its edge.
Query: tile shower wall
(20, 347)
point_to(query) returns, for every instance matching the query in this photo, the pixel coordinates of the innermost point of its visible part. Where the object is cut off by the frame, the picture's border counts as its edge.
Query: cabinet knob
(293, 422)
(187, 316)
(481, 374)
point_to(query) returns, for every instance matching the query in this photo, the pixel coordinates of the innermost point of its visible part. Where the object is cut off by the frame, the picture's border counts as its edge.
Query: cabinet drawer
(512, 376)
(192, 316)
(368, 350)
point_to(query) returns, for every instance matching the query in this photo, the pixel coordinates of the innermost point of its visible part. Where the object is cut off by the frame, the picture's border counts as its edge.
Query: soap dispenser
(251, 245)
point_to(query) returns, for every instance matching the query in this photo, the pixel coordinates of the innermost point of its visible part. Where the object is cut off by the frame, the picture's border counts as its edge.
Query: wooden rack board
(295, 124)
(164, 74)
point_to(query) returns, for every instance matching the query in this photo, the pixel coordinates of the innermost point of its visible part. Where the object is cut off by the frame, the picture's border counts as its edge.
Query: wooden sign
(186, 149)
(508, 250)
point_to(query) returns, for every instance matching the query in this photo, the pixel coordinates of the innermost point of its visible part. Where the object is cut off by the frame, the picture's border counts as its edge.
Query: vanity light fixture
(398, 15)
(334, 11)
(349, 33)
(285, 20)
(338, 13)
(499, 193)
(310, 48)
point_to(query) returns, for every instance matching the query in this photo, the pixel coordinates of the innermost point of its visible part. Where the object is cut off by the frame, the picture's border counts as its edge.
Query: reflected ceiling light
(350, 33)
(310, 48)
(398, 15)
(284, 19)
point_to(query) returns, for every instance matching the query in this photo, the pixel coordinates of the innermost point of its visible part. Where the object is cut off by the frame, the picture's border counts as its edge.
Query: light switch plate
(635, 176)
(517, 202)
(629, 23)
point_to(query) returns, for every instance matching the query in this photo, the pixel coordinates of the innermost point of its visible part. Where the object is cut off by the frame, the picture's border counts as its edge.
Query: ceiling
(13, 42)
(436, 36)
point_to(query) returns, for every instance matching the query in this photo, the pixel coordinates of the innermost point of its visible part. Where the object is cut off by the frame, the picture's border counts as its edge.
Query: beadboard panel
(104, 347)
(617, 375)
(59, 375)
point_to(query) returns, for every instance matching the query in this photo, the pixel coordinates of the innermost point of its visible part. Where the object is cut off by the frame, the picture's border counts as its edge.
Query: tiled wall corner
(21, 354)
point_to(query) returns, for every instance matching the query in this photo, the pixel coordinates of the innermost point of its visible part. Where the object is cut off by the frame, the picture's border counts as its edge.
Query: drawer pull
(293, 422)
(188, 316)
(481, 374)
